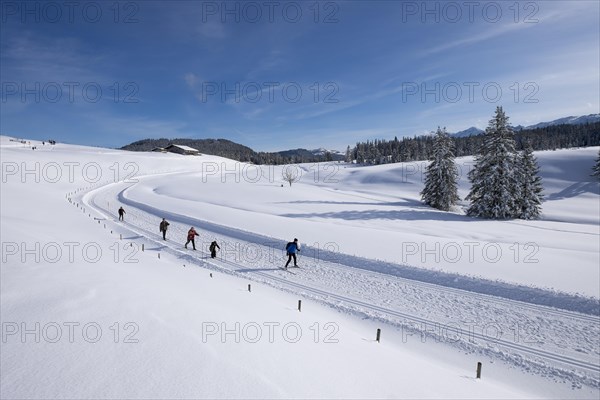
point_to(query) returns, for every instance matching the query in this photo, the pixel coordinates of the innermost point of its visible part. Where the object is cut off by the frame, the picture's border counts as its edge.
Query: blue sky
(280, 75)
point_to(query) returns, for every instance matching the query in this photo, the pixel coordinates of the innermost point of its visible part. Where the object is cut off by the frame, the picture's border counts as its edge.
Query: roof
(182, 147)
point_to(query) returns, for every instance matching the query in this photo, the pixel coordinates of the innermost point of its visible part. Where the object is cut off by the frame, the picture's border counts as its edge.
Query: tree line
(420, 148)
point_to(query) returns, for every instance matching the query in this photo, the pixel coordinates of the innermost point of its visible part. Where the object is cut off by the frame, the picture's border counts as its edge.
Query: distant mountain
(472, 131)
(334, 155)
(296, 153)
(584, 119)
(322, 152)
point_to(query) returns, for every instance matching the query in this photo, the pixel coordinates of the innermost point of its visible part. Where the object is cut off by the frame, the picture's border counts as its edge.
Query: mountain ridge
(571, 120)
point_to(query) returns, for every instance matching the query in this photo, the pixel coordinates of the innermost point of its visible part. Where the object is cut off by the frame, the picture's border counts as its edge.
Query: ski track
(540, 339)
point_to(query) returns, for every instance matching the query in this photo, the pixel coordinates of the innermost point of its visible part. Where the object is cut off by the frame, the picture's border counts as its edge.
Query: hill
(235, 151)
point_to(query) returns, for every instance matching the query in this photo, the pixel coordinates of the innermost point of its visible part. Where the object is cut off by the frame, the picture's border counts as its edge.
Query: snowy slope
(166, 313)
(376, 213)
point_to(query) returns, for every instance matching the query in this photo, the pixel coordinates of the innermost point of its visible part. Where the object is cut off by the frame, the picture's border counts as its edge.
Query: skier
(163, 228)
(213, 249)
(291, 248)
(121, 214)
(191, 236)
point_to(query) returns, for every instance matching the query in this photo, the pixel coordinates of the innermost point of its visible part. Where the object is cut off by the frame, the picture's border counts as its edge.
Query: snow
(358, 227)
(337, 207)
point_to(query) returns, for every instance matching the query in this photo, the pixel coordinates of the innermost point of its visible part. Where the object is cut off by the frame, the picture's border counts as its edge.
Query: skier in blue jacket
(291, 248)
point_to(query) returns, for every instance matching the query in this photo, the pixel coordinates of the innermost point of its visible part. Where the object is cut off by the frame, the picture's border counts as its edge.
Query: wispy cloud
(132, 127)
(33, 57)
(361, 95)
(273, 61)
(212, 30)
(191, 79)
(481, 36)
(551, 13)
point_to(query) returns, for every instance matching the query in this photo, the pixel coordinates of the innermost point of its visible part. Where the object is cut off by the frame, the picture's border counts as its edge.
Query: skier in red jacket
(191, 236)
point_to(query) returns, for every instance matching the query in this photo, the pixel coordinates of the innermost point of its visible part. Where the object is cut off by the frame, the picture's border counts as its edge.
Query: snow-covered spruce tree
(440, 189)
(516, 189)
(348, 157)
(494, 191)
(596, 168)
(530, 183)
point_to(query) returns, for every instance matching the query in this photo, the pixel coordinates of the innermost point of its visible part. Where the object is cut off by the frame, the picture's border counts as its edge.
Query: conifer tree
(596, 168)
(494, 181)
(348, 157)
(530, 183)
(440, 189)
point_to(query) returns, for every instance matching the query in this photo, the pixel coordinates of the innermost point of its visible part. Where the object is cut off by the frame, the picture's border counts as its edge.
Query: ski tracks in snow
(549, 341)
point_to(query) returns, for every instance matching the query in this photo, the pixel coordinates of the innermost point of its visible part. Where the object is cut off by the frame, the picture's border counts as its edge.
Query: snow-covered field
(86, 314)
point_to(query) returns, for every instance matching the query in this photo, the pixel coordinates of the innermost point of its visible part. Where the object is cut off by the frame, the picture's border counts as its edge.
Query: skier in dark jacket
(121, 213)
(191, 236)
(163, 228)
(213, 249)
(291, 248)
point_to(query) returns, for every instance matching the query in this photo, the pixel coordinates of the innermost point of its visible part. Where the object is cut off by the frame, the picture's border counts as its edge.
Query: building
(159, 150)
(180, 149)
